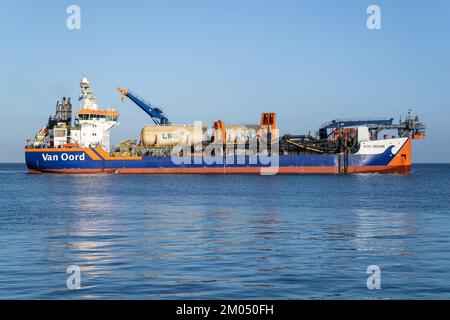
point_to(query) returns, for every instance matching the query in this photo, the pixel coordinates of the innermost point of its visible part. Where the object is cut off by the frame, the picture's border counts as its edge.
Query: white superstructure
(380, 146)
(92, 125)
(369, 146)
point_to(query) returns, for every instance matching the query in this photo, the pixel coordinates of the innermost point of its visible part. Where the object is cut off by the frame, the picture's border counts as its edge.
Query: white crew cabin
(92, 125)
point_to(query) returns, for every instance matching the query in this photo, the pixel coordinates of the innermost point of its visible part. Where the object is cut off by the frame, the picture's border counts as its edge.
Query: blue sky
(309, 61)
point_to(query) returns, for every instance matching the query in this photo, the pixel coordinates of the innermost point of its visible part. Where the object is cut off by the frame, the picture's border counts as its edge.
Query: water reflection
(245, 237)
(375, 231)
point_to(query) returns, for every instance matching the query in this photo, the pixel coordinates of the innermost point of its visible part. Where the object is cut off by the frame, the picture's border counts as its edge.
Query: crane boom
(343, 123)
(155, 113)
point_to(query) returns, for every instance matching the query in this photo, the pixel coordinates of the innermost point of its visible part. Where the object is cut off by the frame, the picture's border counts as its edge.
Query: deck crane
(345, 123)
(338, 123)
(411, 126)
(155, 113)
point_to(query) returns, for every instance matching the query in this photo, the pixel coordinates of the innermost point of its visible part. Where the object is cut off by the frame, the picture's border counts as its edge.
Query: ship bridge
(107, 115)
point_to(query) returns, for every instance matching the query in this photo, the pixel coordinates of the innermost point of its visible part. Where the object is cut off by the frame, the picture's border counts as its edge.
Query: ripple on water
(218, 237)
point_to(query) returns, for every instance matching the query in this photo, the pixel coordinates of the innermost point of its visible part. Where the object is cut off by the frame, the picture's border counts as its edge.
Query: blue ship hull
(97, 160)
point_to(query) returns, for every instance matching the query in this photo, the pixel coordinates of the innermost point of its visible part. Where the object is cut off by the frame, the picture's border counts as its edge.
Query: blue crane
(155, 113)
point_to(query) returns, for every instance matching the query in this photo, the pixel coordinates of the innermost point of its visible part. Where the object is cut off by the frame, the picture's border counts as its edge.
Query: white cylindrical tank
(172, 135)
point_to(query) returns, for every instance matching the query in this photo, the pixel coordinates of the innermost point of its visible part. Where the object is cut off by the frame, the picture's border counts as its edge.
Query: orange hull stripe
(92, 154)
(72, 171)
(247, 170)
(55, 149)
(281, 170)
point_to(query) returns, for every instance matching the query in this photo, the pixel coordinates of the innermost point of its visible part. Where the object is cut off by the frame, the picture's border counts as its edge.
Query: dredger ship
(81, 144)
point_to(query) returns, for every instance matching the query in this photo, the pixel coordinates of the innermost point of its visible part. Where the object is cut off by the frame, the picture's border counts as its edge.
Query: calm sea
(225, 237)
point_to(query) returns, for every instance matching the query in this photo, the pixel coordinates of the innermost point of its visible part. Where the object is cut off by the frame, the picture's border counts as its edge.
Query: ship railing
(358, 121)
